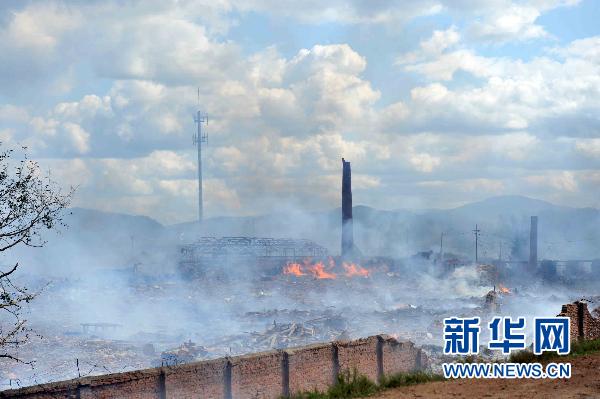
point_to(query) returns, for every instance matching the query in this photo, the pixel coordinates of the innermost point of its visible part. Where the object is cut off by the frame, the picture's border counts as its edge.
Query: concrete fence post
(379, 351)
(335, 360)
(162, 386)
(418, 361)
(227, 379)
(285, 374)
(83, 392)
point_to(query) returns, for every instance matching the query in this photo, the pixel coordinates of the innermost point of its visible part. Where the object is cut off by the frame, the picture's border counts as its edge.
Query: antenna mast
(198, 138)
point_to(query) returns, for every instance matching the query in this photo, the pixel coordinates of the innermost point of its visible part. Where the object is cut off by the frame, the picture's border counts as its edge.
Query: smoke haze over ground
(124, 270)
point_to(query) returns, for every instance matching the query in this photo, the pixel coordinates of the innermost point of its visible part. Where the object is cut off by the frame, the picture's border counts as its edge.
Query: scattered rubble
(186, 352)
(286, 335)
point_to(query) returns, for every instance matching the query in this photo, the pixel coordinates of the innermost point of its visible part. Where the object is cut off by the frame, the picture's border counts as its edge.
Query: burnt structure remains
(347, 229)
(265, 255)
(583, 326)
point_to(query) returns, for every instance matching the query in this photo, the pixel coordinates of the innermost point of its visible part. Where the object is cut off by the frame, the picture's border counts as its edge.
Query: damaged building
(265, 256)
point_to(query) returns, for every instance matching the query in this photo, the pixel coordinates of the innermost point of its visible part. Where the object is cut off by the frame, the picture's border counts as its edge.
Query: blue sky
(435, 102)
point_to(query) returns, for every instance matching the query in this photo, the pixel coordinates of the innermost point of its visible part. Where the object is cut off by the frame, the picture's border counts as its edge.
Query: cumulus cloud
(424, 162)
(563, 180)
(512, 22)
(119, 113)
(31, 42)
(553, 94)
(346, 12)
(589, 147)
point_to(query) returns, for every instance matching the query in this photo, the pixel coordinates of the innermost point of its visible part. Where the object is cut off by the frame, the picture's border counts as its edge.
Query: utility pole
(199, 138)
(476, 232)
(442, 248)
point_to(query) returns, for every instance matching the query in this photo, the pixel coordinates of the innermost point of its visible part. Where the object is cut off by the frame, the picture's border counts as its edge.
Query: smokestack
(533, 241)
(347, 230)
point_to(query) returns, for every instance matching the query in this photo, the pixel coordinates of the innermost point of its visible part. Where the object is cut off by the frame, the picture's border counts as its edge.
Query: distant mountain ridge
(509, 204)
(97, 239)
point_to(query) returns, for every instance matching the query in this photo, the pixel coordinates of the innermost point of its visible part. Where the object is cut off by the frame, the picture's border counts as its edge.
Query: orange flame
(322, 270)
(503, 289)
(318, 271)
(294, 269)
(355, 270)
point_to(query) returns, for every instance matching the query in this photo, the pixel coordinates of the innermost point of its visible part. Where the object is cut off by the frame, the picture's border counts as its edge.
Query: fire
(318, 271)
(321, 270)
(503, 289)
(293, 268)
(355, 270)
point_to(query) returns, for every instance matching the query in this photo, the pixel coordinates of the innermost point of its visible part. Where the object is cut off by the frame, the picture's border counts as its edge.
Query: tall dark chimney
(533, 241)
(347, 230)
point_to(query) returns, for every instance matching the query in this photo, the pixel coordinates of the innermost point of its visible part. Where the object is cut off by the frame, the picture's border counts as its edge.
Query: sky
(436, 103)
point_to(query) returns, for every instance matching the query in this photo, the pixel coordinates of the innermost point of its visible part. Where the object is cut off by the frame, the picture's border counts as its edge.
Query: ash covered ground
(113, 296)
(112, 321)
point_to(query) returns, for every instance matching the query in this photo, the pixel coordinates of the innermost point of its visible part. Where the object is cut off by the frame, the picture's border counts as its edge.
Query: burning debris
(491, 302)
(503, 289)
(263, 293)
(493, 299)
(321, 270)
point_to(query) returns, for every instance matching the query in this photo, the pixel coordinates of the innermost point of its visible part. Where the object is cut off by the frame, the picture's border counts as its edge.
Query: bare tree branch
(30, 203)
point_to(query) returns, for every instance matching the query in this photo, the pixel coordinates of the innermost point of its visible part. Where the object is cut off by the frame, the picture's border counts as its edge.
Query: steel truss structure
(252, 247)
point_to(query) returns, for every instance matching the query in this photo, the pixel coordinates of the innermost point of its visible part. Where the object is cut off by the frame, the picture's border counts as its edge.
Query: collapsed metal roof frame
(253, 246)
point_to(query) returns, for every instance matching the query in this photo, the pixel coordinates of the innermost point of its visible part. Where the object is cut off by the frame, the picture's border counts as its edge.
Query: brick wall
(311, 367)
(266, 375)
(57, 390)
(570, 310)
(361, 355)
(141, 384)
(196, 380)
(257, 375)
(583, 325)
(400, 356)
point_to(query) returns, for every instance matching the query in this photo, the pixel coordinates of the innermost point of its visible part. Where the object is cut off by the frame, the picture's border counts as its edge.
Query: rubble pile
(210, 320)
(187, 352)
(286, 335)
(282, 335)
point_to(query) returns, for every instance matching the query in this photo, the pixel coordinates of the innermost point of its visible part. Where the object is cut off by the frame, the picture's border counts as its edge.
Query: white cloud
(516, 146)
(589, 147)
(587, 49)
(39, 27)
(78, 136)
(163, 49)
(12, 113)
(88, 107)
(512, 22)
(547, 95)
(282, 117)
(562, 180)
(424, 162)
(389, 13)
(434, 46)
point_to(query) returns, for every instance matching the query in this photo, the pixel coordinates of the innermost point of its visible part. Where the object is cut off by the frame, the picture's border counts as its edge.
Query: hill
(96, 239)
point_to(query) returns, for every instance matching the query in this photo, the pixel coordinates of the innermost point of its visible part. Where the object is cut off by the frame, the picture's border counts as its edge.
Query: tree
(30, 203)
